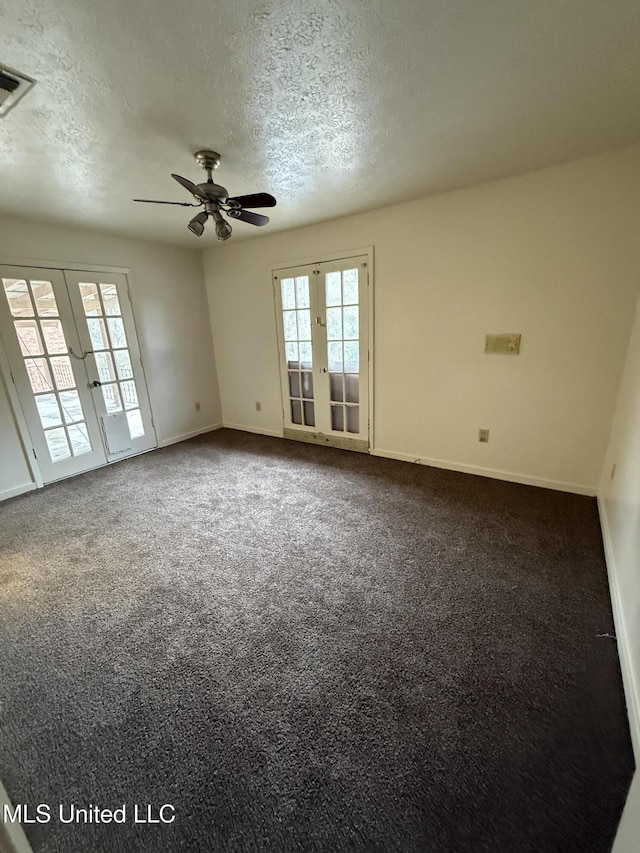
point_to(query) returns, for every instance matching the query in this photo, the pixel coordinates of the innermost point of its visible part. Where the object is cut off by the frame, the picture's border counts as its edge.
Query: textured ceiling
(334, 106)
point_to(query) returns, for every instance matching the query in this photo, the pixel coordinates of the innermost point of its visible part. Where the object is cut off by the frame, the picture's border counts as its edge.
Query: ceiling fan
(215, 198)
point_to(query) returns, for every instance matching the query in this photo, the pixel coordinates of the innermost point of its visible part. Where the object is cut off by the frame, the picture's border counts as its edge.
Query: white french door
(75, 363)
(322, 316)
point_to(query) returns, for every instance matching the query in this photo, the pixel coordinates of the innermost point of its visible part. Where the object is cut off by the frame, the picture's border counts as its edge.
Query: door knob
(96, 384)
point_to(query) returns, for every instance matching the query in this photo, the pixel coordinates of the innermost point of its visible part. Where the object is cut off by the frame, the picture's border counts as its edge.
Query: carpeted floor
(305, 649)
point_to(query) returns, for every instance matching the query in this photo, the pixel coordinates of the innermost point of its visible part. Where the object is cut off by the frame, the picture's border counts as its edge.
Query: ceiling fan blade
(247, 216)
(187, 184)
(254, 200)
(154, 201)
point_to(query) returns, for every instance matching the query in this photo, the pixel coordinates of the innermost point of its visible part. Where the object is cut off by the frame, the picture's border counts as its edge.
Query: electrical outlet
(483, 435)
(197, 407)
(258, 406)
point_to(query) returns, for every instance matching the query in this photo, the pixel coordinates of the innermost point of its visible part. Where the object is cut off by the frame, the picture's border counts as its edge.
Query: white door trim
(20, 420)
(11, 261)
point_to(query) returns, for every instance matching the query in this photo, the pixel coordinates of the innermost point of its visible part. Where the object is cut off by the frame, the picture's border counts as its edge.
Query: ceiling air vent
(13, 86)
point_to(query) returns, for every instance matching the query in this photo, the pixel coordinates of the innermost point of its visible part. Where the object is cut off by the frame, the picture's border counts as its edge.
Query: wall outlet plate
(483, 435)
(508, 344)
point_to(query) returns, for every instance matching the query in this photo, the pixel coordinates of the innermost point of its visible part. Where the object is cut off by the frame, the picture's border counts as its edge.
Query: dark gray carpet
(306, 649)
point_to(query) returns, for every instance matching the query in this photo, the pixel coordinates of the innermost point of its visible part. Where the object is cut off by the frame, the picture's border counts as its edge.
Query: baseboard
(629, 679)
(17, 490)
(275, 433)
(509, 476)
(12, 837)
(186, 435)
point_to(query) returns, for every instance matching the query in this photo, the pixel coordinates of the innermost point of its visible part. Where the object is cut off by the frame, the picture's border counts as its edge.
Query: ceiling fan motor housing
(213, 192)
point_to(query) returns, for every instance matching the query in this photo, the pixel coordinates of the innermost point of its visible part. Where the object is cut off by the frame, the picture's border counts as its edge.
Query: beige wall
(619, 499)
(171, 313)
(551, 254)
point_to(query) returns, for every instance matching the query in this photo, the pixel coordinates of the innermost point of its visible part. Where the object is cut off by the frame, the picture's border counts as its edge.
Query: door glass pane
(62, 372)
(44, 298)
(58, 444)
(17, 294)
(350, 315)
(136, 428)
(334, 294)
(110, 300)
(304, 325)
(288, 294)
(90, 299)
(291, 354)
(116, 332)
(337, 418)
(71, 406)
(111, 397)
(294, 383)
(53, 336)
(104, 363)
(352, 388)
(352, 356)
(97, 333)
(290, 326)
(129, 395)
(353, 419)
(48, 410)
(335, 356)
(79, 438)
(29, 337)
(309, 414)
(39, 374)
(350, 287)
(123, 364)
(302, 291)
(307, 385)
(306, 355)
(334, 324)
(296, 411)
(335, 383)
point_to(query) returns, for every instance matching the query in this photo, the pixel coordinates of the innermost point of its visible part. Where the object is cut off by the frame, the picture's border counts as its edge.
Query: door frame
(321, 258)
(5, 370)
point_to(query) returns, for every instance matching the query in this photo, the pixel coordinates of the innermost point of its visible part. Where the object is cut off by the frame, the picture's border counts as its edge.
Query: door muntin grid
(343, 348)
(296, 321)
(107, 333)
(43, 345)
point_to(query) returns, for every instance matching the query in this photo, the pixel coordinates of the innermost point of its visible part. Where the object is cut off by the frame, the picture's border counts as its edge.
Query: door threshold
(359, 445)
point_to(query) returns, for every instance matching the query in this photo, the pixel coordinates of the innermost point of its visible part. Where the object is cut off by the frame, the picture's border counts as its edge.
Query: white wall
(619, 500)
(171, 312)
(552, 254)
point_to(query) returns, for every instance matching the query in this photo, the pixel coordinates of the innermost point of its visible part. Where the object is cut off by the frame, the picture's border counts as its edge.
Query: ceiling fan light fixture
(223, 229)
(197, 224)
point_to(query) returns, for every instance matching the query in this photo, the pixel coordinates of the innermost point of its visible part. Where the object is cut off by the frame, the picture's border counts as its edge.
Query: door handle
(96, 384)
